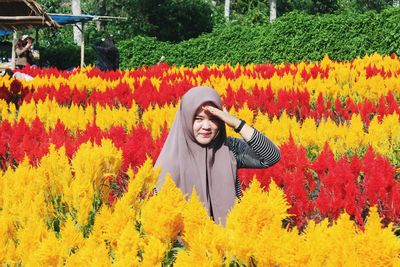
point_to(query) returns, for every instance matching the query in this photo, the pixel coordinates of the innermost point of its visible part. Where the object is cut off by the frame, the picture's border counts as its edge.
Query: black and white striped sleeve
(258, 152)
(267, 151)
(238, 188)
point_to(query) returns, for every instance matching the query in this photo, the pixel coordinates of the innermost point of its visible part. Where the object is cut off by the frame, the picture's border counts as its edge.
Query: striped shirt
(258, 152)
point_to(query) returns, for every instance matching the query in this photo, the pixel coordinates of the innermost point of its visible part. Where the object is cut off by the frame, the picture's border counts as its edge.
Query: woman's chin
(203, 141)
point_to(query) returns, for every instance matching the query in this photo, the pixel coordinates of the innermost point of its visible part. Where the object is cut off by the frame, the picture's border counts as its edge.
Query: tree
(272, 10)
(227, 9)
(101, 11)
(377, 5)
(76, 10)
(323, 6)
(176, 20)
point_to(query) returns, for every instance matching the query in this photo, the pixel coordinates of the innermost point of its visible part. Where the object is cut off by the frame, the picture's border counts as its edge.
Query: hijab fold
(190, 163)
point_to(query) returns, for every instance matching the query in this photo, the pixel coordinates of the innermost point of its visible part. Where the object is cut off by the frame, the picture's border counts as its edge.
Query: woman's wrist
(239, 127)
(236, 123)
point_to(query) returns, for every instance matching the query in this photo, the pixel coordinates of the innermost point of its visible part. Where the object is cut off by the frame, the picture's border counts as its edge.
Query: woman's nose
(206, 124)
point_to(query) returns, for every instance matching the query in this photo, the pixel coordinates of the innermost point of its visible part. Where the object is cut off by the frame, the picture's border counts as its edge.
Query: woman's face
(205, 125)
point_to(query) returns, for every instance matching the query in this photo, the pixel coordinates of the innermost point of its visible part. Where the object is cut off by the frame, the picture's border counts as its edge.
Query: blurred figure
(23, 51)
(17, 75)
(6, 73)
(22, 76)
(107, 54)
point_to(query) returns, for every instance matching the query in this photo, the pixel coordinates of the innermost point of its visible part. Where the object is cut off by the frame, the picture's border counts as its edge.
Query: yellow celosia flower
(127, 246)
(71, 235)
(29, 236)
(101, 227)
(3, 109)
(154, 118)
(195, 218)
(50, 252)
(385, 136)
(73, 117)
(330, 245)
(8, 112)
(308, 133)
(27, 111)
(55, 170)
(206, 241)
(153, 252)
(279, 247)
(161, 215)
(91, 164)
(380, 246)
(156, 82)
(7, 237)
(23, 192)
(142, 183)
(111, 222)
(107, 117)
(122, 217)
(91, 253)
(256, 211)
(355, 136)
(197, 258)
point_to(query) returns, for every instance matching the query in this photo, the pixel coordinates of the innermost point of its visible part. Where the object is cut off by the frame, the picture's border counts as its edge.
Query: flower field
(77, 150)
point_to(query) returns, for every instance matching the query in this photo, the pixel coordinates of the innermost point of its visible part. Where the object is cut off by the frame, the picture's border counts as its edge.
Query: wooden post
(14, 41)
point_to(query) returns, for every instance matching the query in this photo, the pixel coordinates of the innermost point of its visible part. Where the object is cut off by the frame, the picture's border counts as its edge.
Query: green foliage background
(293, 37)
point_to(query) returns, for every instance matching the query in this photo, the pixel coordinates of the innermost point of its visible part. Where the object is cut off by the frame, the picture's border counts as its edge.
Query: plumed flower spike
(195, 217)
(161, 216)
(279, 201)
(257, 203)
(206, 242)
(194, 209)
(154, 252)
(127, 246)
(256, 211)
(71, 235)
(383, 246)
(140, 187)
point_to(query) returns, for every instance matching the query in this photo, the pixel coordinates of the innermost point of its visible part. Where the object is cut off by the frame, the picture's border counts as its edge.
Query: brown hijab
(210, 169)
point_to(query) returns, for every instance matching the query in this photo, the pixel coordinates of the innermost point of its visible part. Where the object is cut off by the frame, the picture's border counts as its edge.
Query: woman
(23, 51)
(198, 154)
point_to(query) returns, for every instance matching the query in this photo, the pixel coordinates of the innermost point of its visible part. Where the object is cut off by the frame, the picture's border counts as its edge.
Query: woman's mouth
(205, 135)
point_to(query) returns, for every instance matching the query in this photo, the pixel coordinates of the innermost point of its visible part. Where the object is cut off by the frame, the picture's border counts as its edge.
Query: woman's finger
(211, 109)
(215, 111)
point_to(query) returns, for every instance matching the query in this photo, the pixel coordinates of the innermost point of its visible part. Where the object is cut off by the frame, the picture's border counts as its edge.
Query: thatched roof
(22, 14)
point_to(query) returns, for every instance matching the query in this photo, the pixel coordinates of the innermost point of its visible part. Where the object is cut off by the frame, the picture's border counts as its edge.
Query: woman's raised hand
(29, 44)
(223, 115)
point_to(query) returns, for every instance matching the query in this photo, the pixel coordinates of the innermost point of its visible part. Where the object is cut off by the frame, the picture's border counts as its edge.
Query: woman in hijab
(199, 155)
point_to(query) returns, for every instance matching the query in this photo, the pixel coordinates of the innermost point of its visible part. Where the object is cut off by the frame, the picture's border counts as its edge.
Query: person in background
(198, 154)
(23, 51)
(6, 73)
(17, 75)
(107, 54)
